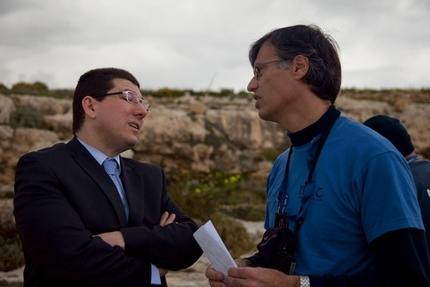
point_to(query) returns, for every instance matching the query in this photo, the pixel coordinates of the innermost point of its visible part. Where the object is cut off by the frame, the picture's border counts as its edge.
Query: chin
(262, 115)
(266, 117)
(131, 142)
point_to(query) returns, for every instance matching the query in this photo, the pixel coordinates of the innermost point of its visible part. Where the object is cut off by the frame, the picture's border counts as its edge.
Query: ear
(300, 66)
(89, 105)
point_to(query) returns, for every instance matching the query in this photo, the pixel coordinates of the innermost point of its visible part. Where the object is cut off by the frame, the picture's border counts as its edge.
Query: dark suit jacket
(63, 197)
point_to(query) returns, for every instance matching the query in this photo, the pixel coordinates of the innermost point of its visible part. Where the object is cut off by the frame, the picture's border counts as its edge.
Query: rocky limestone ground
(194, 276)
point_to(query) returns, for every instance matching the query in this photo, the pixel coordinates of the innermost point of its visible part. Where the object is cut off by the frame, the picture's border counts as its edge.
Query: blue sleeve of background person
(421, 173)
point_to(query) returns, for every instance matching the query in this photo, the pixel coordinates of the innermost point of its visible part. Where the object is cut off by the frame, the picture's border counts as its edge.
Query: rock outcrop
(195, 133)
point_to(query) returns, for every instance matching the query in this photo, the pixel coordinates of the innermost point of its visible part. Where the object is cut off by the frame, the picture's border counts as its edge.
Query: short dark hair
(95, 82)
(324, 75)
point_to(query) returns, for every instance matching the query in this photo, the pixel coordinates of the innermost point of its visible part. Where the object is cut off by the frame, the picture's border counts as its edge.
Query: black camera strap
(281, 214)
(276, 250)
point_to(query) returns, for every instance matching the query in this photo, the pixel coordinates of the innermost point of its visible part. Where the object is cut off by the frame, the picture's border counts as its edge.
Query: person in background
(393, 130)
(347, 195)
(87, 216)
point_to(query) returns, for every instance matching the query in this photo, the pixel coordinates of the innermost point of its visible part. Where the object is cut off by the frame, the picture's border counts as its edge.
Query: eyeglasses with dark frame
(130, 97)
(257, 72)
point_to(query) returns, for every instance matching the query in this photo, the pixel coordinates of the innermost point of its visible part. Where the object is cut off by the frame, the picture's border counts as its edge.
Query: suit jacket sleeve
(173, 246)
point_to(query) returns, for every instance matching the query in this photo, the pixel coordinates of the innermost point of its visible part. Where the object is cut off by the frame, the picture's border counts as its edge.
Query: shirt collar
(307, 134)
(412, 158)
(98, 155)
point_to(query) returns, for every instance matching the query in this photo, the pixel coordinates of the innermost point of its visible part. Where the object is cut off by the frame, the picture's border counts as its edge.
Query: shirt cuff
(304, 281)
(155, 275)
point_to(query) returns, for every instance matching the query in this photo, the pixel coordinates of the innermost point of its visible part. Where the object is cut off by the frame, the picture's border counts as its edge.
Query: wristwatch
(304, 281)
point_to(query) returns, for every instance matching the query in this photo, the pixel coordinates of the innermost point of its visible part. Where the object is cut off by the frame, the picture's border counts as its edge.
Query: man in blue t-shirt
(345, 193)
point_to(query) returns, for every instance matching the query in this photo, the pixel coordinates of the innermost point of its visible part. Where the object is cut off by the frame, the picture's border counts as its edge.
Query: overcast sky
(200, 44)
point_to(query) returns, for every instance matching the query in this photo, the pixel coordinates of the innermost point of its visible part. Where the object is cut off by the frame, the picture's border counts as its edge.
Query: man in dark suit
(80, 226)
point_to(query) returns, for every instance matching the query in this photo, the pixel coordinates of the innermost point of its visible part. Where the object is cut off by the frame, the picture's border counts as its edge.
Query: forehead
(122, 85)
(266, 53)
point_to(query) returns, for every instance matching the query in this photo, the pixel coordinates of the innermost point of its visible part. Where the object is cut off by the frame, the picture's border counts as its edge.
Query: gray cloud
(190, 43)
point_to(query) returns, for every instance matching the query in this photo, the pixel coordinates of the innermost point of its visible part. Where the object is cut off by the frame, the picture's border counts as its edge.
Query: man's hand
(162, 271)
(216, 279)
(246, 276)
(260, 277)
(113, 238)
(167, 218)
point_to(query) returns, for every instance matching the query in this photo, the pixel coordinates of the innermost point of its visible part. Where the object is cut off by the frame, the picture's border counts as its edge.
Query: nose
(252, 85)
(140, 110)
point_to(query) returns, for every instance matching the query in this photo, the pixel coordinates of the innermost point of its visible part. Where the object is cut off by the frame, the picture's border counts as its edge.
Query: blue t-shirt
(361, 188)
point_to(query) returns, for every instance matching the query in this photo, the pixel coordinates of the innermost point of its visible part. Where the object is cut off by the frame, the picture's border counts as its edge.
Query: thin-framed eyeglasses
(257, 71)
(130, 97)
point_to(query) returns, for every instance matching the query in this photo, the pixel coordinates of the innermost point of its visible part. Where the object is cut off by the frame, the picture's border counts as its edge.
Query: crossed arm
(115, 238)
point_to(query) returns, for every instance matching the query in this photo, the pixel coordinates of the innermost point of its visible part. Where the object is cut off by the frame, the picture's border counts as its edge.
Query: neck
(306, 115)
(95, 142)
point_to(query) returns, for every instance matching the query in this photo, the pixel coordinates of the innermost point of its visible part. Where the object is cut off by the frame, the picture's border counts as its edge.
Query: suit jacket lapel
(87, 162)
(133, 186)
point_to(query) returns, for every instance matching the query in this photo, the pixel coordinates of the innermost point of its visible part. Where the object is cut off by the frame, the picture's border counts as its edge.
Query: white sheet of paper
(211, 243)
